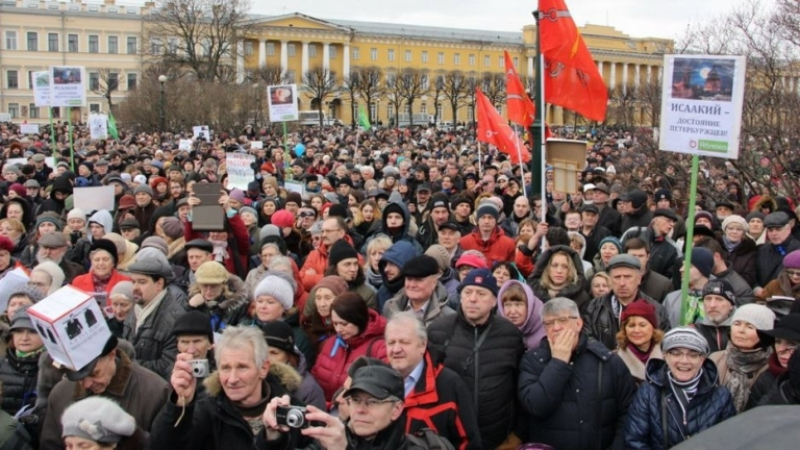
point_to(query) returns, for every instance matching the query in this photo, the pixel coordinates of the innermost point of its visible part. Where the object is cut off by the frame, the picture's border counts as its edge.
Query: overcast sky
(638, 18)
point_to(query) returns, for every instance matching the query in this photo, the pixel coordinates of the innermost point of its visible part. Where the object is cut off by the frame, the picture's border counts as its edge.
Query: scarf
(143, 312)
(100, 284)
(692, 308)
(774, 366)
(742, 368)
(338, 343)
(373, 278)
(220, 250)
(35, 353)
(640, 355)
(684, 391)
(730, 246)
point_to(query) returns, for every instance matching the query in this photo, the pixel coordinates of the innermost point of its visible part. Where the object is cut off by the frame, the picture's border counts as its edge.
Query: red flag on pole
(493, 129)
(571, 79)
(520, 107)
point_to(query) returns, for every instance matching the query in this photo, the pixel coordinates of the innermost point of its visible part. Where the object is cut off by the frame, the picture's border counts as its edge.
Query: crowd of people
(397, 289)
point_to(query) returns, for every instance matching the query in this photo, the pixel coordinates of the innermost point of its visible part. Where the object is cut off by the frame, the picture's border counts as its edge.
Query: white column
(346, 60)
(649, 74)
(600, 68)
(326, 56)
(284, 56)
(613, 75)
(262, 53)
(625, 77)
(530, 68)
(638, 79)
(304, 65)
(240, 61)
(660, 72)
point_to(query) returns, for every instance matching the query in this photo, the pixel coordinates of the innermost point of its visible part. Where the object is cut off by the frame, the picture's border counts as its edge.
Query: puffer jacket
(533, 327)
(437, 305)
(489, 373)
(602, 324)
(498, 247)
(213, 422)
(644, 428)
(308, 390)
(574, 291)
(398, 254)
(18, 375)
(561, 399)
(155, 345)
(330, 370)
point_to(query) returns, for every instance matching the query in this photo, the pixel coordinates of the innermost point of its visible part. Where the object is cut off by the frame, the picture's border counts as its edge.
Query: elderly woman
(268, 251)
(786, 336)
(788, 282)
(211, 294)
(608, 248)
(747, 355)
(14, 230)
(47, 277)
(99, 423)
(601, 285)
(683, 386)
(742, 250)
(516, 302)
(559, 273)
(121, 299)
(46, 223)
(639, 338)
(318, 325)
(103, 274)
(19, 367)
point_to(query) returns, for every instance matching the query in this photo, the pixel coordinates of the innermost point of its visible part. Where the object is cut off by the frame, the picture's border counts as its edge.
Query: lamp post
(258, 104)
(162, 110)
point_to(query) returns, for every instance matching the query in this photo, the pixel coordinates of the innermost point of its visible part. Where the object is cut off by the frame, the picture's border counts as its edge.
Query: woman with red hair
(7, 262)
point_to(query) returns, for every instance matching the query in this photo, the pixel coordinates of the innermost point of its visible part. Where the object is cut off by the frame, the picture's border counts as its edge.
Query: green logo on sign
(712, 146)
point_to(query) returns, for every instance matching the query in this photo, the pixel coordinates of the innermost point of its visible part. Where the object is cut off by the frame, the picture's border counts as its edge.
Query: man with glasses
(575, 391)
(780, 242)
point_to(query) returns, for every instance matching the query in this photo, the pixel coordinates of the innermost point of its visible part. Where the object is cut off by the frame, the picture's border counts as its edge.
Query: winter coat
(449, 279)
(318, 260)
(533, 328)
(644, 428)
(765, 382)
(611, 219)
(330, 370)
(238, 245)
(437, 305)
(593, 241)
(227, 310)
(140, 392)
(489, 371)
(402, 235)
(498, 247)
(602, 324)
(214, 422)
(655, 286)
(717, 336)
(636, 219)
(769, 260)
(63, 184)
(782, 393)
(574, 291)
(144, 215)
(309, 391)
(301, 341)
(741, 289)
(86, 284)
(663, 250)
(18, 376)
(511, 224)
(743, 260)
(398, 254)
(155, 345)
(562, 400)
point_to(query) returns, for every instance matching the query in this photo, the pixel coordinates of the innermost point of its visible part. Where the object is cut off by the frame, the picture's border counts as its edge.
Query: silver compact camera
(295, 417)
(199, 368)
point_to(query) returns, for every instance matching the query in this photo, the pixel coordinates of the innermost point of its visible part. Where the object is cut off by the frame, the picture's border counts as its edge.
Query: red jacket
(318, 260)
(84, 282)
(330, 370)
(499, 247)
(241, 237)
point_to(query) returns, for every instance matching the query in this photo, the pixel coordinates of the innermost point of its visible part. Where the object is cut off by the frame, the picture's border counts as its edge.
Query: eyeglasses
(561, 321)
(690, 355)
(793, 273)
(368, 402)
(307, 214)
(785, 350)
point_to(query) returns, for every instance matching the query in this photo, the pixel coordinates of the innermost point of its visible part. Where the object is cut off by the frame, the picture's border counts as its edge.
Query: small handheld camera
(294, 417)
(199, 368)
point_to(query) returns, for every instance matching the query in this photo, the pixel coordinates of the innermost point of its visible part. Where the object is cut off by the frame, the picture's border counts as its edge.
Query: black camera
(294, 417)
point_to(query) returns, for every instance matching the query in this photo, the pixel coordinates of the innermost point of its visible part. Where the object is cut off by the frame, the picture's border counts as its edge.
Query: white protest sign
(240, 170)
(41, 88)
(5, 117)
(50, 161)
(98, 126)
(11, 281)
(256, 145)
(282, 101)
(185, 145)
(29, 128)
(294, 186)
(701, 105)
(201, 132)
(67, 87)
(94, 198)
(72, 326)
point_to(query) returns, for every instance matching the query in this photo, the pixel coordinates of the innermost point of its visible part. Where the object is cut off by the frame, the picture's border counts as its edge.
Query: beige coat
(637, 367)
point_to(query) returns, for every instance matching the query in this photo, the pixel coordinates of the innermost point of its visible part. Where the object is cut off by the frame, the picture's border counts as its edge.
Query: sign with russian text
(67, 86)
(240, 170)
(41, 88)
(282, 101)
(701, 104)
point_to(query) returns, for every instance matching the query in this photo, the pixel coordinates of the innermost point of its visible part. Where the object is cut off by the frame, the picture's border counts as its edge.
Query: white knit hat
(277, 288)
(97, 419)
(76, 213)
(759, 316)
(56, 274)
(739, 220)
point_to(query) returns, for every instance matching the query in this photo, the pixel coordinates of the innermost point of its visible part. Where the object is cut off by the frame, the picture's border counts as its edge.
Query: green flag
(112, 126)
(363, 119)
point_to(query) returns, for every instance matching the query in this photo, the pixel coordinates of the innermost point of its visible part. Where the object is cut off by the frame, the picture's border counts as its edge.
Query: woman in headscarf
(742, 250)
(516, 302)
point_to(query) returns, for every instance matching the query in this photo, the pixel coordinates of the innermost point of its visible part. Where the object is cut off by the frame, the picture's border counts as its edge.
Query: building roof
(430, 32)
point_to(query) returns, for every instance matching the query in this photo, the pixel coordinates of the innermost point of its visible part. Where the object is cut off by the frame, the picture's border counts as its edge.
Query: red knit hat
(282, 219)
(6, 244)
(640, 308)
(472, 261)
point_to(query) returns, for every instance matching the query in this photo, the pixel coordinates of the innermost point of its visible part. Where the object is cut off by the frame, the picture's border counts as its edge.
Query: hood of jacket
(62, 184)
(284, 373)
(375, 328)
(541, 263)
(402, 209)
(102, 218)
(656, 371)
(398, 254)
(533, 323)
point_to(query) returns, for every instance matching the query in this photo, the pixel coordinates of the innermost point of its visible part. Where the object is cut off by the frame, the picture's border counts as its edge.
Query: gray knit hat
(28, 291)
(440, 254)
(97, 419)
(277, 288)
(759, 316)
(269, 230)
(685, 337)
(143, 188)
(155, 264)
(123, 288)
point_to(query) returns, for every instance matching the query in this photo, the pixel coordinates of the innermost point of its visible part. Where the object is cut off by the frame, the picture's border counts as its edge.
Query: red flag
(571, 79)
(520, 107)
(493, 129)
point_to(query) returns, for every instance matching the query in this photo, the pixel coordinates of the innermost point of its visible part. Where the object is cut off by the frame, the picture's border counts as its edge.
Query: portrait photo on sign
(67, 75)
(281, 95)
(703, 79)
(43, 79)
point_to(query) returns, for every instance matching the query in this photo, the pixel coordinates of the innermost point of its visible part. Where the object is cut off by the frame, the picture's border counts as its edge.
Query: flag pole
(521, 164)
(479, 160)
(52, 130)
(687, 257)
(69, 131)
(537, 128)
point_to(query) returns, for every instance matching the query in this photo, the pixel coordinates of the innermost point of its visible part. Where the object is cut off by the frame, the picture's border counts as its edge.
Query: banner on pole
(5, 117)
(29, 128)
(98, 126)
(41, 88)
(67, 86)
(282, 101)
(701, 105)
(240, 170)
(201, 132)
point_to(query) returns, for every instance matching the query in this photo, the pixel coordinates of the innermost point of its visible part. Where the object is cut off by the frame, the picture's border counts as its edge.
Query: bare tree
(413, 84)
(371, 86)
(494, 86)
(623, 101)
(438, 90)
(107, 84)
(270, 75)
(455, 91)
(394, 95)
(319, 84)
(472, 95)
(351, 84)
(198, 35)
(649, 94)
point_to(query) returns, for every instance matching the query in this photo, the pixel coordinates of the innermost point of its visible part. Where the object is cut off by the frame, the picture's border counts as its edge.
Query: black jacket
(639, 218)
(764, 384)
(782, 393)
(602, 324)
(18, 376)
(563, 402)
(769, 262)
(611, 219)
(489, 371)
(663, 253)
(743, 260)
(155, 345)
(593, 241)
(716, 336)
(656, 286)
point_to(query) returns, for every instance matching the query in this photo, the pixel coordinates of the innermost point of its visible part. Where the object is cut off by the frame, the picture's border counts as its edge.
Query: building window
(11, 40)
(390, 79)
(94, 81)
(12, 79)
(94, 107)
(424, 56)
(472, 60)
(516, 61)
(373, 54)
(487, 61)
(408, 55)
(423, 108)
(131, 81)
(440, 58)
(457, 59)
(33, 41)
(33, 111)
(390, 111)
(291, 49)
(270, 49)
(332, 52)
(56, 112)
(52, 42)
(172, 45)
(501, 61)
(131, 44)
(94, 43)
(248, 48)
(13, 110)
(356, 53)
(113, 45)
(112, 82)
(155, 46)
(72, 43)
(391, 55)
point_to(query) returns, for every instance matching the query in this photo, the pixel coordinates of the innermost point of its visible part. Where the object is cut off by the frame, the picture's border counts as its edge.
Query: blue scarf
(338, 343)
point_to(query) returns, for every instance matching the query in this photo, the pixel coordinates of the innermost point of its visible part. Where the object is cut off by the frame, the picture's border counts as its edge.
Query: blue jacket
(397, 254)
(644, 428)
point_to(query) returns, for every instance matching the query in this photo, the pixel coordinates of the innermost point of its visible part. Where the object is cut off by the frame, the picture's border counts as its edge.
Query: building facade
(109, 39)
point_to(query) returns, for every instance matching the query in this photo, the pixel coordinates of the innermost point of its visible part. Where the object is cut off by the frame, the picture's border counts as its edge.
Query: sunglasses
(306, 214)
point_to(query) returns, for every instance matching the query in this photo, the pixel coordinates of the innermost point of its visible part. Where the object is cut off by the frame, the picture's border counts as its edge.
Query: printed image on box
(70, 322)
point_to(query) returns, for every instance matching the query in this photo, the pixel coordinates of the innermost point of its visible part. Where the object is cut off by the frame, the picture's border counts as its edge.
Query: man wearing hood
(422, 293)
(62, 188)
(391, 266)
(395, 223)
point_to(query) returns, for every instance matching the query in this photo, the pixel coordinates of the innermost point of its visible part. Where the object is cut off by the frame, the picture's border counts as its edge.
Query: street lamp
(162, 79)
(258, 104)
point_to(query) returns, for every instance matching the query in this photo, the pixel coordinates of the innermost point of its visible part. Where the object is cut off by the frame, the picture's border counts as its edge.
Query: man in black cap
(608, 217)
(663, 250)
(423, 196)
(140, 392)
(129, 229)
(591, 231)
(639, 214)
(462, 214)
(193, 334)
(422, 292)
(779, 243)
(439, 213)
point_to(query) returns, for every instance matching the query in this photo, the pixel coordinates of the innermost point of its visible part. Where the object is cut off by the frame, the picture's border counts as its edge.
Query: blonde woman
(639, 338)
(559, 273)
(375, 250)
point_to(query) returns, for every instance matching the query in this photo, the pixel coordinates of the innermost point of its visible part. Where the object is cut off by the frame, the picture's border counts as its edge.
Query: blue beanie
(482, 278)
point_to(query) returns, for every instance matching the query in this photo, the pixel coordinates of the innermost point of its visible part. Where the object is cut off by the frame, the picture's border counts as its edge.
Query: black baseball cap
(379, 382)
(668, 213)
(591, 207)
(450, 224)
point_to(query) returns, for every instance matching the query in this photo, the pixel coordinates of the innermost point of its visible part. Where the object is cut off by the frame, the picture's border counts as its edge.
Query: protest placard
(282, 101)
(256, 145)
(201, 132)
(67, 86)
(240, 170)
(185, 145)
(294, 186)
(29, 128)
(41, 88)
(98, 126)
(94, 198)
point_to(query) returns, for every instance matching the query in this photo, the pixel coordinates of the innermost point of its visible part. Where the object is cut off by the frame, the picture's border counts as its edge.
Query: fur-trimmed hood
(283, 373)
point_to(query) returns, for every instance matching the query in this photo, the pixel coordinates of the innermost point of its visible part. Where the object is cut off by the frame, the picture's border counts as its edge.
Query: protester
(559, 273)
(719, 304)
(639, 338)
(96, 422)
(422, 293)
(517, 303)
(19, 367)
(786, 336)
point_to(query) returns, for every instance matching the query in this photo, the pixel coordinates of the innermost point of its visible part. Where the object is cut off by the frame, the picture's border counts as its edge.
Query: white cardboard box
(72, 326)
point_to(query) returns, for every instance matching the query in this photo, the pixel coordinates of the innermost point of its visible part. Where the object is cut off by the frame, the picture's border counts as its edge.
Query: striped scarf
(684, 390)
